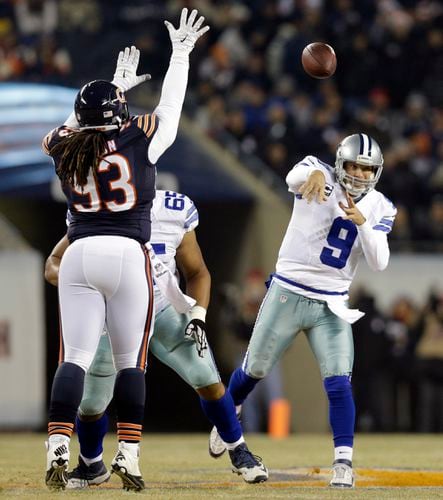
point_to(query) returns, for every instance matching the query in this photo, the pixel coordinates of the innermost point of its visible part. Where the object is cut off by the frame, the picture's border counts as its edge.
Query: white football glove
(183, 39)
(125, 75)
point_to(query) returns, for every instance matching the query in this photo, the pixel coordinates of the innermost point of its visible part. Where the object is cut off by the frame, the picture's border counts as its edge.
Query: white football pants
(106, 279)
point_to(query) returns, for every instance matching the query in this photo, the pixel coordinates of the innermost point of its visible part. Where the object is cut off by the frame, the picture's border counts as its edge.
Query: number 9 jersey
(321, 249)
(118, 200)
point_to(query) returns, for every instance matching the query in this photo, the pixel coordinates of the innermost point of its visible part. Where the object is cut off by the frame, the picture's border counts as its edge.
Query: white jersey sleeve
(373, 234)
(173, 215)
(170, 106)
(302, 170)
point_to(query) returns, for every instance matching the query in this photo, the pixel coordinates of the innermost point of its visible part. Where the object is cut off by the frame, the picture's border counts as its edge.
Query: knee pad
(93, 406)
(258, 369)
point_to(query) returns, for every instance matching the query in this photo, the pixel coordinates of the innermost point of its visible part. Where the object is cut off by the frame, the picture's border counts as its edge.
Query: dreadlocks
(79, 152)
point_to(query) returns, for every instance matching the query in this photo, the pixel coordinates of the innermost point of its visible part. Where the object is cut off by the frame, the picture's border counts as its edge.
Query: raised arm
(173, 91)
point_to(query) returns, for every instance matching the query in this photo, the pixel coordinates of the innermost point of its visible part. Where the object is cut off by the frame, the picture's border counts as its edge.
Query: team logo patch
(283, 298)
(328, 189)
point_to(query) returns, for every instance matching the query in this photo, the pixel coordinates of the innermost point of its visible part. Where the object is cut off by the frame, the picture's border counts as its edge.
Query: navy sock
(90, 436)
(241, 385)
(129, 395)
(66, 394)
(221, 413)
(341, 409)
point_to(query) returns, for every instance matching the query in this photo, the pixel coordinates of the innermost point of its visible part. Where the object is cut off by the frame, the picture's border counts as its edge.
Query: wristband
(198, 312)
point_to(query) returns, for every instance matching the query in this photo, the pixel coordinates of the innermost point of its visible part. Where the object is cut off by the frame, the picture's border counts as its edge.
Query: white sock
(133, 448)
(89, 461)
(343, 453)
(232, 446)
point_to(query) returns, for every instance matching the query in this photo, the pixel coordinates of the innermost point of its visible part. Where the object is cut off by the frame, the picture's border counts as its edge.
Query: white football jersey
(172, 215)
(321, 250)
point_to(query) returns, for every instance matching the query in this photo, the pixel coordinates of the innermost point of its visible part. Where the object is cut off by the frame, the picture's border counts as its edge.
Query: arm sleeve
(169, 108)
(375, 246)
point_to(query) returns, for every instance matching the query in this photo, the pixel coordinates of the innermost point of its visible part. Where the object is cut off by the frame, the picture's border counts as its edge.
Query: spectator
(402, 329)
(430, 367)
(388, 81)
(36, 17)
(370, 366)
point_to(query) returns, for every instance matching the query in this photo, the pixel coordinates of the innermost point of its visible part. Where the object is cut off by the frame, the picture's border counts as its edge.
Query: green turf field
(177, 466)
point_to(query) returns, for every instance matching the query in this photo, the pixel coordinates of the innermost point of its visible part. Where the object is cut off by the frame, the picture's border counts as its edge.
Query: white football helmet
(363, 150)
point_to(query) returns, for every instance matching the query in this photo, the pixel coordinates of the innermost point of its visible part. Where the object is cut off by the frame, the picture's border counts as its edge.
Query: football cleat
(57, 461)
(342, 474)
(247, 465)
(125, 465)
(216, 444)
(87, 475)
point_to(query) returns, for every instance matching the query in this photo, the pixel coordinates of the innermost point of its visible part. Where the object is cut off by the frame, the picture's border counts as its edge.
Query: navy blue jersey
(118, 200)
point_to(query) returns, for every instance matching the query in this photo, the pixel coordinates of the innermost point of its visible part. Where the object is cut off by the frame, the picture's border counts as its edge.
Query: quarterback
(337, 217)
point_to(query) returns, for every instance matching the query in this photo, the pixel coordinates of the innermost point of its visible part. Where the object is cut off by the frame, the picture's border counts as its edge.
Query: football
(319, 60)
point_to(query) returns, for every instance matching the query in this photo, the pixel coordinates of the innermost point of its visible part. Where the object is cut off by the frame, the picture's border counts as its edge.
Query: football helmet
(362, 150)
(101, 104)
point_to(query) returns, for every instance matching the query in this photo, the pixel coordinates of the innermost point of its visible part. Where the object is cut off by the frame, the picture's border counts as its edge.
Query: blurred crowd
(398, 369)
(248, 89)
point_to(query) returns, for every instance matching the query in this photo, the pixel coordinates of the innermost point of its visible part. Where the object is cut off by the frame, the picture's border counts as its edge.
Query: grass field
(177, 466)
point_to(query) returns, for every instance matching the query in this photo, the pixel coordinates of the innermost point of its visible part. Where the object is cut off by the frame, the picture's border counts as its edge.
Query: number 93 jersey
(321, 249)
(173, 215)
(117, 201)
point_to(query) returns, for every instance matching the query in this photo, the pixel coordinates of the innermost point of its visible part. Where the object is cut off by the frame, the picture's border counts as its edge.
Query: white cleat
(125, 465)
(342, 475)
(57, 461)
(216, 444)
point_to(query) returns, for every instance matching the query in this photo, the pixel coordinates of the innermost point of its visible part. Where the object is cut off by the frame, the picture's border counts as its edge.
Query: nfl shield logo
(283, 298)
(328, 189)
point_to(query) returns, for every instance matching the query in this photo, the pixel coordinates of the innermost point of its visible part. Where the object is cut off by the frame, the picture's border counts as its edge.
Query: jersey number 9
(341, 237)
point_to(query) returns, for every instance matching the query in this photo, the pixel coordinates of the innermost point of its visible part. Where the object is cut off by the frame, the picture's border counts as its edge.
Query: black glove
(196, 330)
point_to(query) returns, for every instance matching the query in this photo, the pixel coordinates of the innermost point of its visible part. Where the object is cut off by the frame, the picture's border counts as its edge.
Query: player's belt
(304, 287)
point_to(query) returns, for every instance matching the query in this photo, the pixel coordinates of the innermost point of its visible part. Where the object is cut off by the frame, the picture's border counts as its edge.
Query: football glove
(125, 75)
(183, 39)
(196, 330)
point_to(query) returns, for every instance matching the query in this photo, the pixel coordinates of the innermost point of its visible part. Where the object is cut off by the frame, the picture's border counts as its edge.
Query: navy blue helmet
(101, 104)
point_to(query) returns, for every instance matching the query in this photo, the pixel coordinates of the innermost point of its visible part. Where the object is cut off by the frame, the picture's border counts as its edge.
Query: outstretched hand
(314, 187)
(352, 212)
(125, 75)
(184, 37)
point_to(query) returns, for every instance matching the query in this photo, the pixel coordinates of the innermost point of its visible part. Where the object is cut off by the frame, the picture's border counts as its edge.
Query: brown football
(319, 60)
